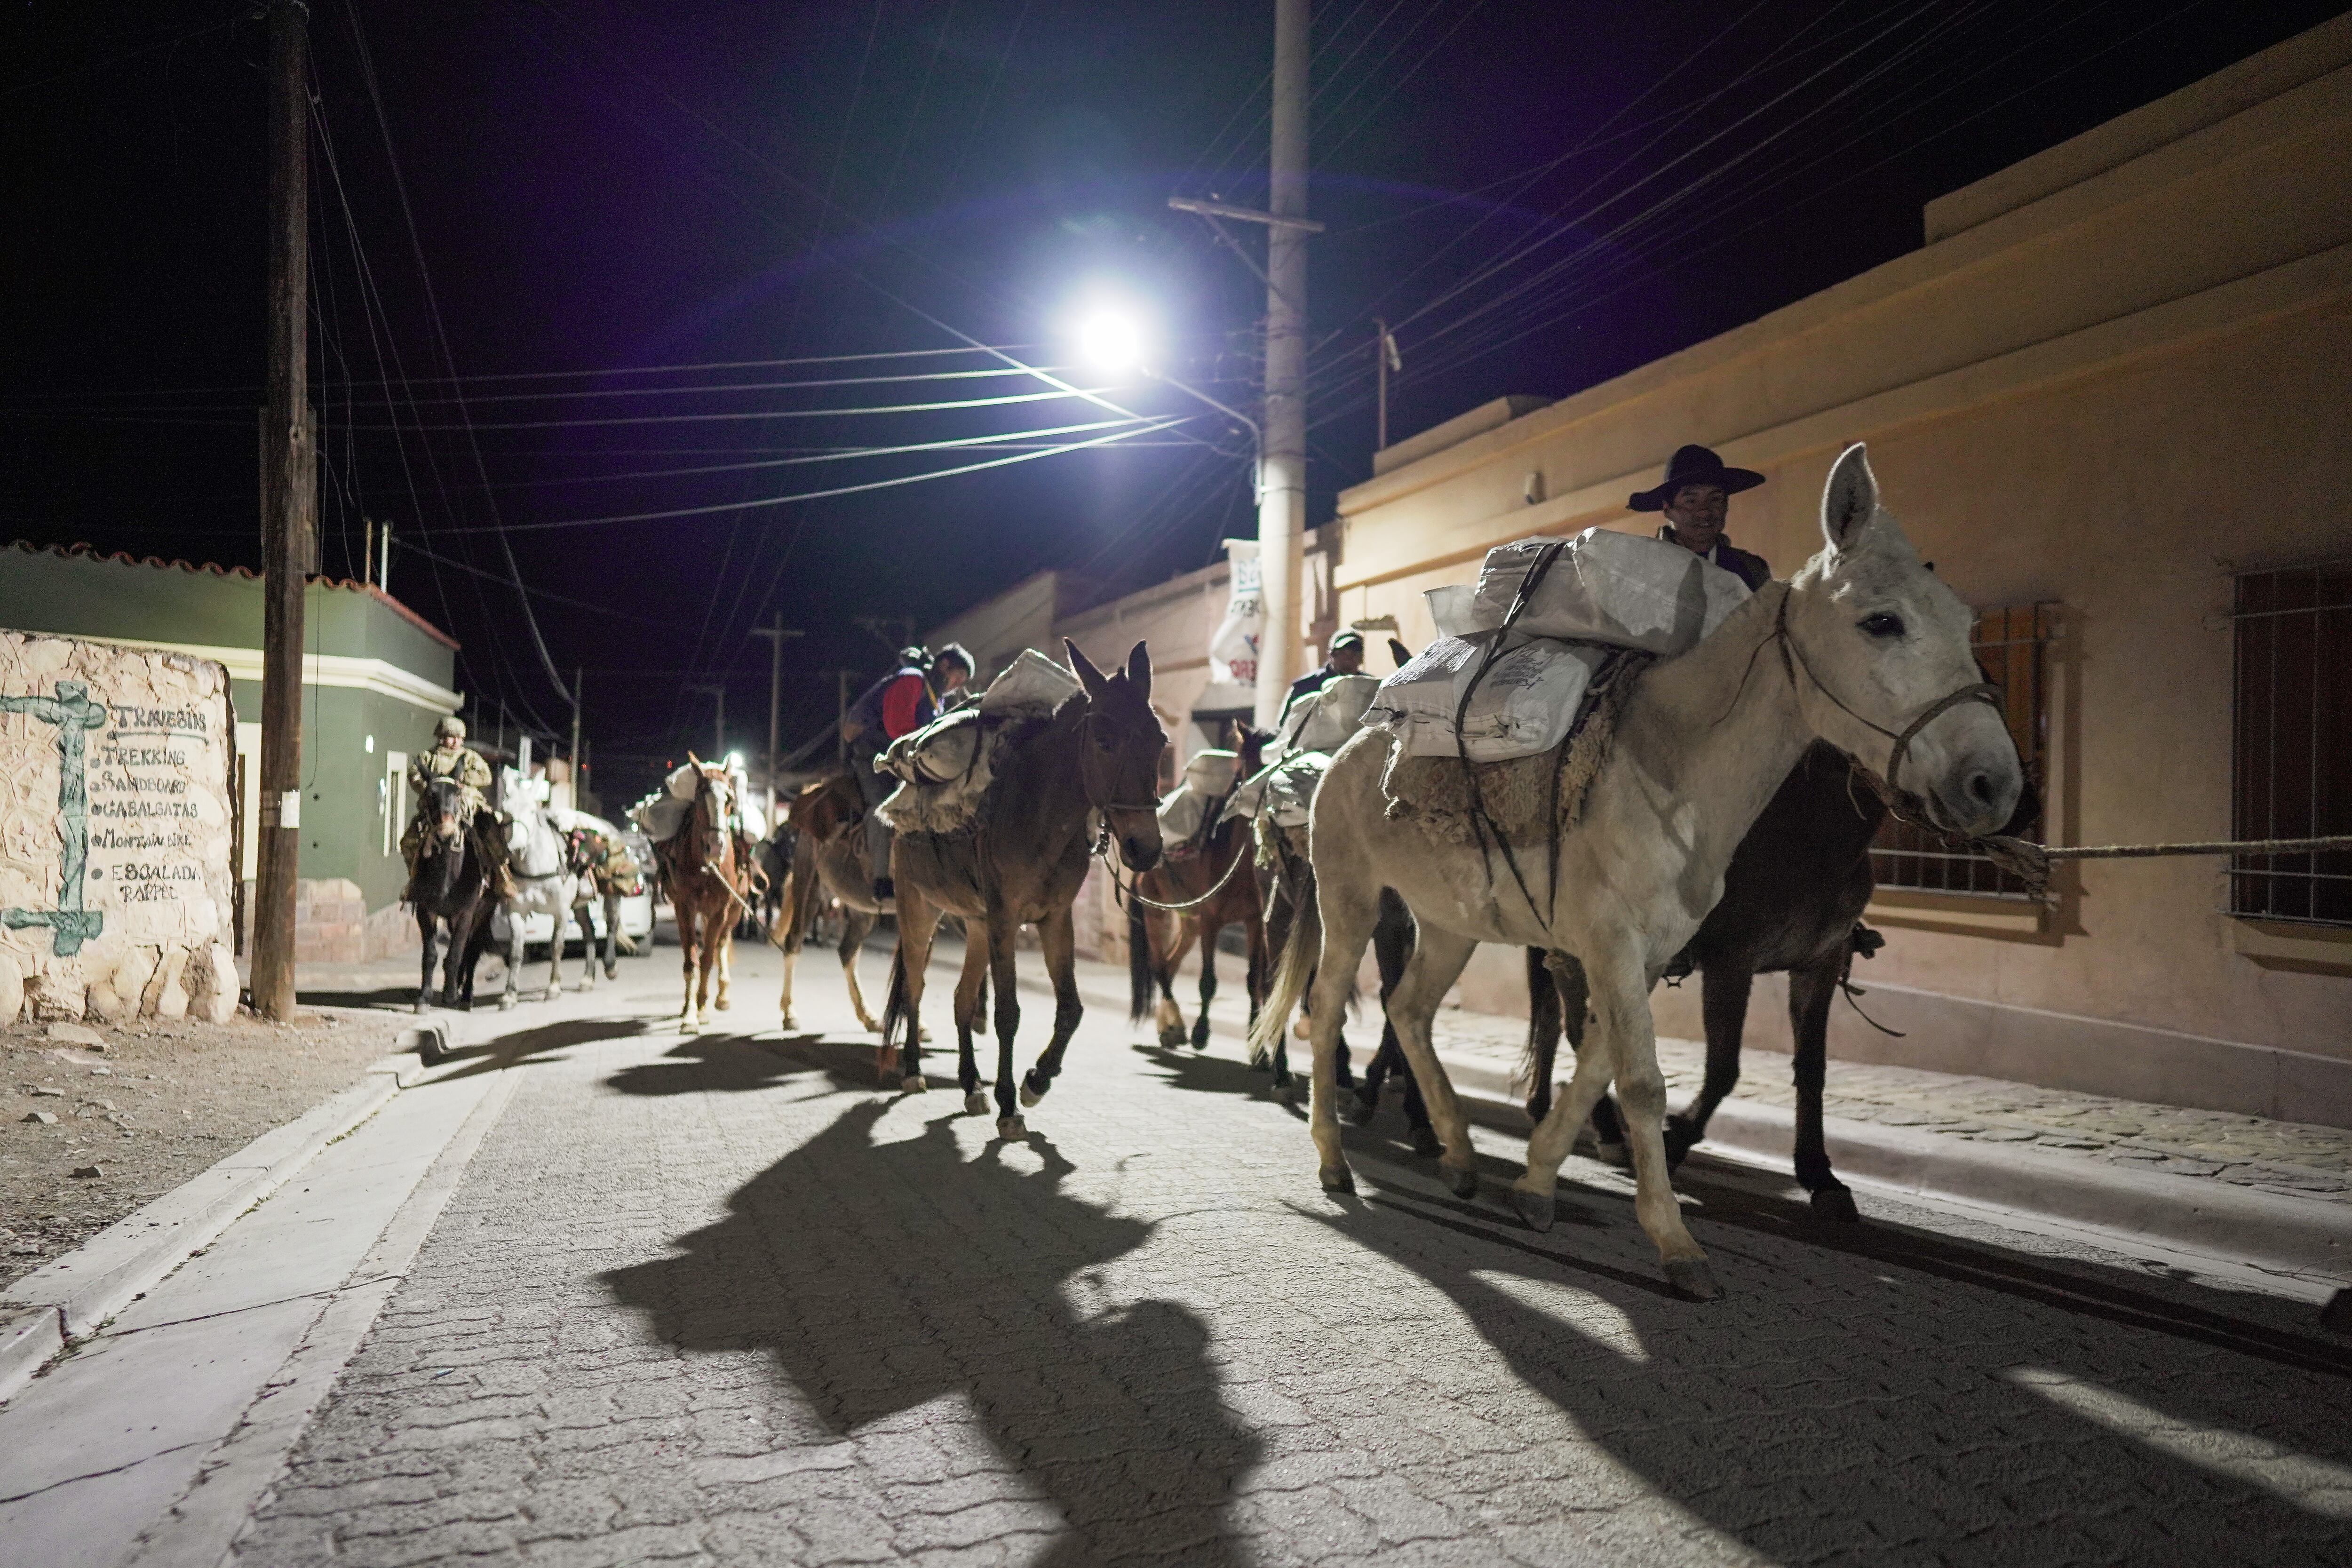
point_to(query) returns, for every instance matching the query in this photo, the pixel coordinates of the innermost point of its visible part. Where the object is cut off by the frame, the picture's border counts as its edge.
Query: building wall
(2114, 382)
(377, 677)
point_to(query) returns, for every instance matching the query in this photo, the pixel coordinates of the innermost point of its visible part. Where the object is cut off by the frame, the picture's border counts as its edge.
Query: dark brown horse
(1793, 899)
(828, 823)
(1021, 861)
(450, 884)
(1214, 886)
(705, 880)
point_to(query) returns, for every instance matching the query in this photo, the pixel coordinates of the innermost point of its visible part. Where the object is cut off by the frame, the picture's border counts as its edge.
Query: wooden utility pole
(579, 693)
(777, 636)
(290, 502)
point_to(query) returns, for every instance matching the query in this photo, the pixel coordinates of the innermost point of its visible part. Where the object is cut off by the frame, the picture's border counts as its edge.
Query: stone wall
(115, 831)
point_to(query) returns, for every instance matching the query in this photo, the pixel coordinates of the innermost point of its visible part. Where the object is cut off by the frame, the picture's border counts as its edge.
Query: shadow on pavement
(882, 1276)
(1878, 1392)
(522, 1047)
(734, 1063)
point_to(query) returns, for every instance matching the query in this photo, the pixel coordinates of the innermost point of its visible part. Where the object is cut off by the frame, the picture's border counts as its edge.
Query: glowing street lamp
(1112, 342)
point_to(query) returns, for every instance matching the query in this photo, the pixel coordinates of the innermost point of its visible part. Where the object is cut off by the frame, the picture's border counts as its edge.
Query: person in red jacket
(900, 703)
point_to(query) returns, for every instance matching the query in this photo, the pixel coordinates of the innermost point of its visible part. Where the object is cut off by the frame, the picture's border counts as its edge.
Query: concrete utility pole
(290, 502)
(1282, 497)
(579, 693)
(777, 636)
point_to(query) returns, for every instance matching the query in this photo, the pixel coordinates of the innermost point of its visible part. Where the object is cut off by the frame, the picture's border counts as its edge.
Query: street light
(1113, 341)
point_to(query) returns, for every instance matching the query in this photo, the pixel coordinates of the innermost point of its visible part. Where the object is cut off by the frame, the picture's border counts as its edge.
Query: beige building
(2110, 397)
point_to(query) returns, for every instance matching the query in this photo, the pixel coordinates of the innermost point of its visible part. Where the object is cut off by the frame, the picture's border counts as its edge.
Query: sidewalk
(2274, 1195)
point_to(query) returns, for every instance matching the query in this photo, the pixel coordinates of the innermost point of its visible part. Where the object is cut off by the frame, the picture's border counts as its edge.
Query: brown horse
(1212, 885)
(829, 818)
(700, 870)
(1020, 862)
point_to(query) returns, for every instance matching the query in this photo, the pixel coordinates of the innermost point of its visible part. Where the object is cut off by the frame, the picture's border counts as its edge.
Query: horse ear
(1138, 670)
(691, 760)
(1083, 667)
(1850, 499)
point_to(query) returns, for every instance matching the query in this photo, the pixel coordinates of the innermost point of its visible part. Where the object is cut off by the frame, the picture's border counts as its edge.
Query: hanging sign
(1233, 646)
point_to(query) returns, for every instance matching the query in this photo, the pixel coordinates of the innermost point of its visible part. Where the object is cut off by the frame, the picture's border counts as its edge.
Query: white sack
(1290, 786)
(942, 752)
(1610, 587)
(660, 815)
(1180, 813)
(1323, 721)
(1032, 684)
(1525, 704)
(1212, 772)
(682, 783)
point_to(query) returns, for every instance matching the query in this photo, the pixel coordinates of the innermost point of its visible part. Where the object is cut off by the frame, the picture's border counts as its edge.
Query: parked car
(637, 913)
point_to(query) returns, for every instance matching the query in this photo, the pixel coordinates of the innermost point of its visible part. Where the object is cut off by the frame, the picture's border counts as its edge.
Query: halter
(1793, 658)
(1087, 782)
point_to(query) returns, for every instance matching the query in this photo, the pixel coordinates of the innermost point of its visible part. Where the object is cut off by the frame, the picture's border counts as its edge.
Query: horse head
(441, 804)
(1119, 755)
(1877, 647)
(714, 805)
(1249, 745)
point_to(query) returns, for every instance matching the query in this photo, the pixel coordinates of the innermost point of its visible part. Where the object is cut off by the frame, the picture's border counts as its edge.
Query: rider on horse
(1696, 497)
(452, 759)
(900, 703)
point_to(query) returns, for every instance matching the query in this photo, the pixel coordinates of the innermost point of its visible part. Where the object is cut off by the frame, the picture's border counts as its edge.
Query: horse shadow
(526, 1047)
(880, 1277)
(1903, 1397)
(740, 1063)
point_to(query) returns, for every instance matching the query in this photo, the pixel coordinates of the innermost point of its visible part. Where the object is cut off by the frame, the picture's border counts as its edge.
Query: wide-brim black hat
(1694, 465)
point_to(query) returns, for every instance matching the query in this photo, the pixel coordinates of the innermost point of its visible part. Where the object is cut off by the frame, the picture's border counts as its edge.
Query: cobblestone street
(718, 1300)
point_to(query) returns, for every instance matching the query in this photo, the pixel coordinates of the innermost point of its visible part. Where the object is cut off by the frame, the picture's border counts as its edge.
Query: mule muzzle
(1977, 792)
(1141, 852)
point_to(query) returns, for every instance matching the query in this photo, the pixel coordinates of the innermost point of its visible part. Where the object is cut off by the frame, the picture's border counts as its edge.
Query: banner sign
(115, 828)
(1233, 646)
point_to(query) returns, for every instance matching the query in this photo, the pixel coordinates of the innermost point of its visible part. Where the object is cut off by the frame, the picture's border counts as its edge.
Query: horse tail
(1296, 967)
(896, 1015)
(1544, 1020)
(1138, 961)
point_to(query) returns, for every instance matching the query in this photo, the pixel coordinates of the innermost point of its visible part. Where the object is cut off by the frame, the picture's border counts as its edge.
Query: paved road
(718, 1300)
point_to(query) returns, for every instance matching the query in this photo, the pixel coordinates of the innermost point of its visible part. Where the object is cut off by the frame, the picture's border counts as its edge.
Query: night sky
(610, 221)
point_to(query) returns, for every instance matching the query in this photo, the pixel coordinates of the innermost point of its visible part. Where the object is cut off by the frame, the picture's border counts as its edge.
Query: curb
(2268, 1229)
(72, 1296)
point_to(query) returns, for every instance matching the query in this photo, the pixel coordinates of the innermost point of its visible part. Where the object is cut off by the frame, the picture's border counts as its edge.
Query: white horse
(1864, 648)
(545, 883)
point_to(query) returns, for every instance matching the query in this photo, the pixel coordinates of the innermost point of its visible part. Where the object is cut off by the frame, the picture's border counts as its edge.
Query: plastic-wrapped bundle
(1523, 705)
(1290, 785)
(1207, 777)
(1609, 588)
(1323, 721)
(1031, 684)
(942, 752)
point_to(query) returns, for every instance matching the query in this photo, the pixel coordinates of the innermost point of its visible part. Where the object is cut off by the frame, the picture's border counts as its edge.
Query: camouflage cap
(449, 724)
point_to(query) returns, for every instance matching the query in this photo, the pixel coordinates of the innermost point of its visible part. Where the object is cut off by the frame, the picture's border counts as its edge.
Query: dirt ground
(161, 1103)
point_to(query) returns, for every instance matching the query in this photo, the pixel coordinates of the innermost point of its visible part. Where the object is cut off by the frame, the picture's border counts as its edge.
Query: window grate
(2292, 747)
(2012, 646)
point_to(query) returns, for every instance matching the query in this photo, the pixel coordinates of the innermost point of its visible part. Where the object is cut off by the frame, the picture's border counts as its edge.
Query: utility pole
(1386, 359)
(383, 568)
(290, 502)
(777, 636)
(1282, 499)
(579, 692)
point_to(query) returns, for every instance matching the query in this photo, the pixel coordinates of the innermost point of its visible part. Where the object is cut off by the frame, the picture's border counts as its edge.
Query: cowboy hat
(1694, 465)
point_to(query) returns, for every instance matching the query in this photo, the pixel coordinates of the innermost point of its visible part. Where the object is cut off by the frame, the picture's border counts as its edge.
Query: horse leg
(1438, 962)
(612, 936)
(1058, 937)
(1392, 946)
(998, 932)
(1347, 917)
(970, 997)
(1208, 982)
(1574, 1000)
(1171, 940)
(919, 928)
(690, 946)
(713, 926)
(1542, 1055)
(856, 925)
(427, 932)
(1723, 1003)
(1811, 989)
(724, 928)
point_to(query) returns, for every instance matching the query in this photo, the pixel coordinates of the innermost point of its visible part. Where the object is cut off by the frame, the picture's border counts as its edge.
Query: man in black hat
(1695, 497)
(1346, 658)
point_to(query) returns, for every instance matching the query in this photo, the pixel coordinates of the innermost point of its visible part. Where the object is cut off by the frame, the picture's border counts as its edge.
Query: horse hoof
(1200, 1039)
(1681, 1139)
(1028, 1095)
(790, 1022)
(1464, 1184)
(1011, 1129)
(1338, 1178)
(689, 1028)
(425, 1006)
(914, 1085)
(1694, 1278)
(1836, 1204)
(1426, 1143)
(722, 1004)
(1536, 1210)
(975, 1104)
(1172, 1038)
(1358, 1110)
(611, 972)
(927, 1035)
(506, 1003)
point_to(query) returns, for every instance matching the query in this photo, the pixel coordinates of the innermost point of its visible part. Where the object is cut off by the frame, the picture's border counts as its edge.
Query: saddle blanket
(945, 768)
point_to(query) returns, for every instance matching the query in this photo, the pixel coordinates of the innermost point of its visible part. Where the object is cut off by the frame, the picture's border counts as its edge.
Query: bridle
(1086, 781)
(1793, 658)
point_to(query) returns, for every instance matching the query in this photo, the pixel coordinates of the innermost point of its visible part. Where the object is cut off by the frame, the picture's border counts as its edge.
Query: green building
(377, 676)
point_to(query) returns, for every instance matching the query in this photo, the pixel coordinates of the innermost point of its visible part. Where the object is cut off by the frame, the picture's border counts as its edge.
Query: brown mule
(828, 861)
(1212, 880)
(705, 879)
(1021, 862)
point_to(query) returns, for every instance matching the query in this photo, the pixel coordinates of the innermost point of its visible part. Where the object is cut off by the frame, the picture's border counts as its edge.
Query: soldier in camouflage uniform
(613, 875)
(451, 758)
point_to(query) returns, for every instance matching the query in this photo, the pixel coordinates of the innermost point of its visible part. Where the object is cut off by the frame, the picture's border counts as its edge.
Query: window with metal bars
(2292, 754)
(2012, 645)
